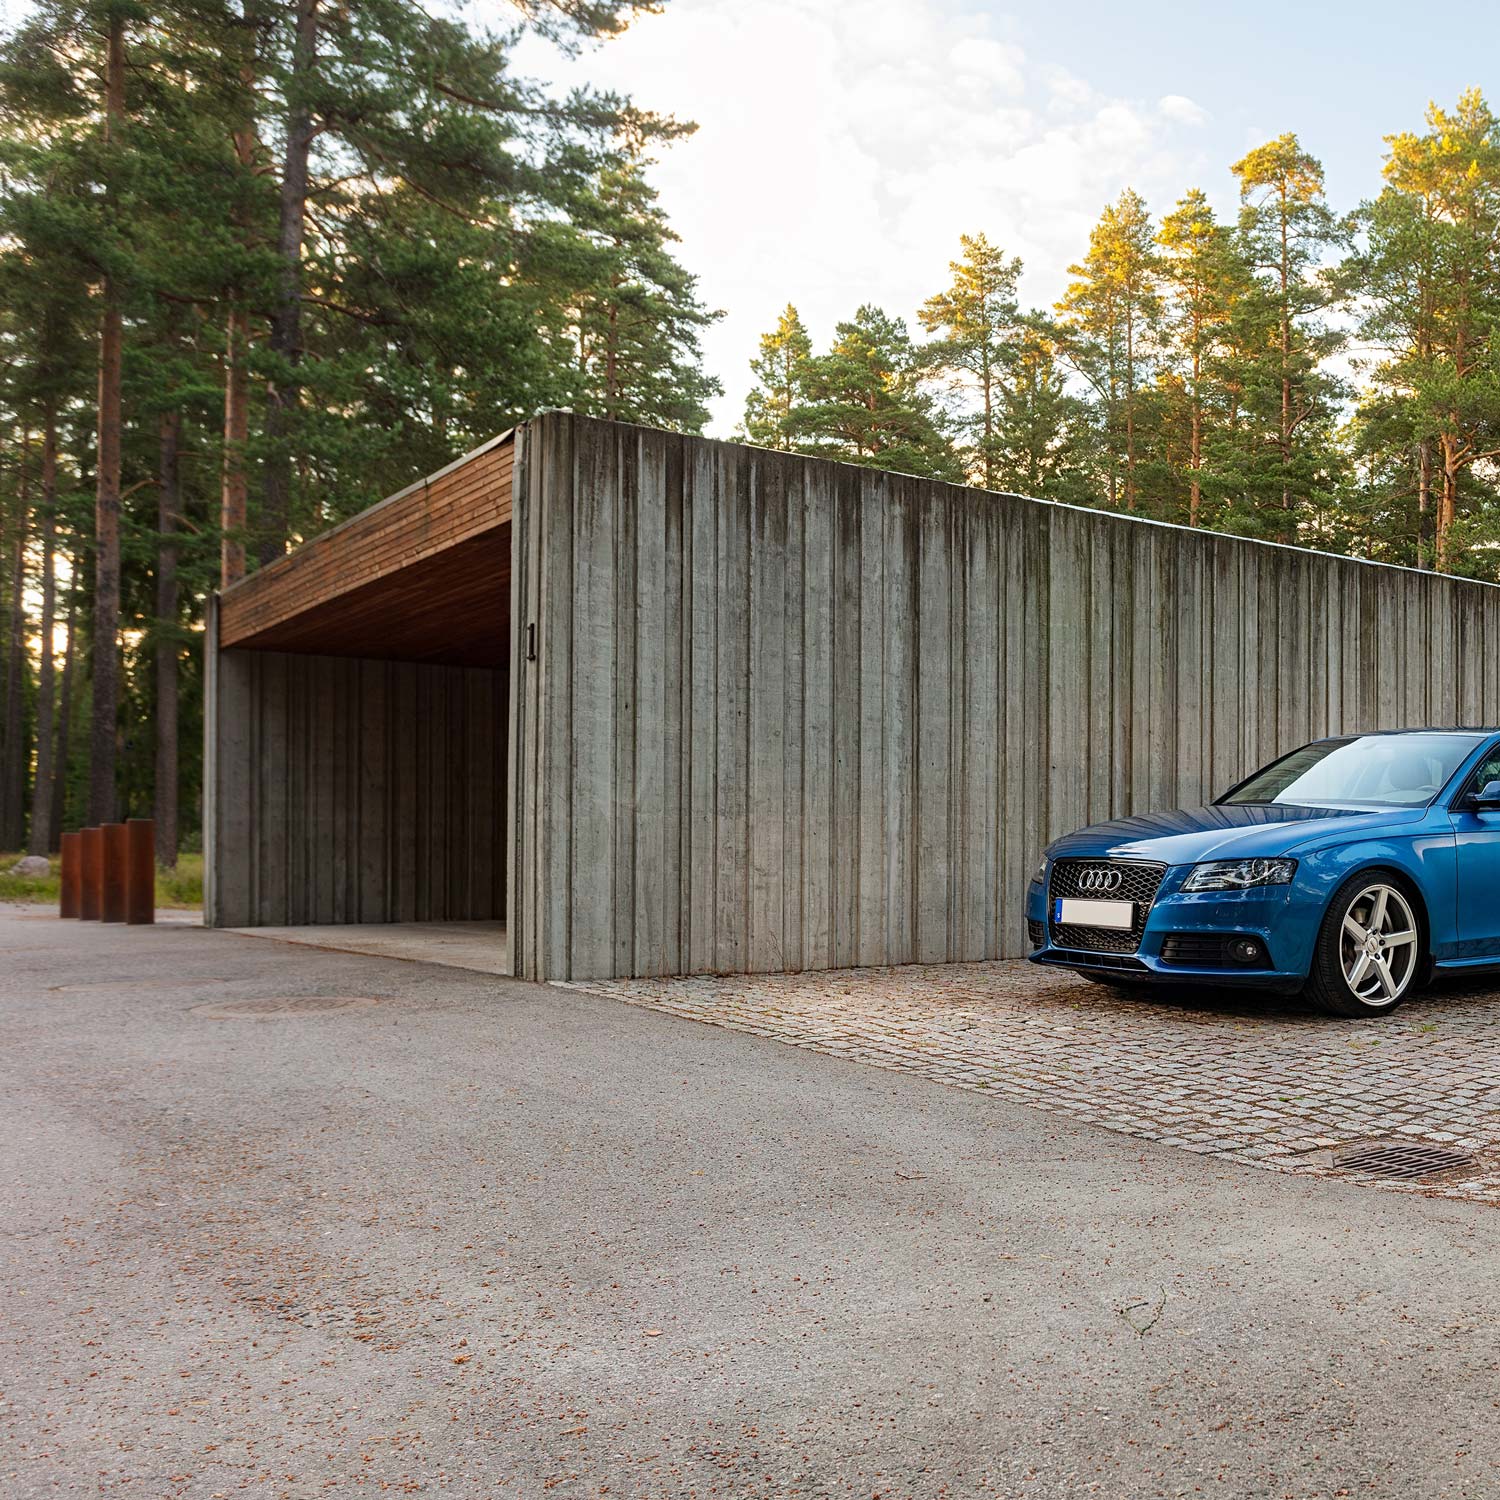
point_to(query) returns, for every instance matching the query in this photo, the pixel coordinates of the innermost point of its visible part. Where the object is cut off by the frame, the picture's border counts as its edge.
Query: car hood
(1192, 835)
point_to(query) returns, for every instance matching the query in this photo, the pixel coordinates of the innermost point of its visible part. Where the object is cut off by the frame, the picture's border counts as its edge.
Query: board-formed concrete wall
(343, 790)
(791, 714)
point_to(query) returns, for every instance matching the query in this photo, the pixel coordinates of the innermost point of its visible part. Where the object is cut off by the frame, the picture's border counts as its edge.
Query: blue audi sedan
(1351, 870)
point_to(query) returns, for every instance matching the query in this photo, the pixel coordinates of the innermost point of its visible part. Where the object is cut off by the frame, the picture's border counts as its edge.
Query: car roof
(1469, 729)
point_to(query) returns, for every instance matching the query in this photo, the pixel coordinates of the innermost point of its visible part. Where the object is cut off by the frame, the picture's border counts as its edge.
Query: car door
(1478, 866)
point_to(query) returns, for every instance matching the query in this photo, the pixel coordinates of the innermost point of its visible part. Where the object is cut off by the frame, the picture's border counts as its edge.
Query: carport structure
(667, 705)
(358, 698)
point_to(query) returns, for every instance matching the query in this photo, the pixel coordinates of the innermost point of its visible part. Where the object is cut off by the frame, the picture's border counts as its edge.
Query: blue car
(1351, 870)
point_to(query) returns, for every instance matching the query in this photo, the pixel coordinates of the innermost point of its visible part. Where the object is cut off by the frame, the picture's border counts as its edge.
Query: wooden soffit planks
(422, 576)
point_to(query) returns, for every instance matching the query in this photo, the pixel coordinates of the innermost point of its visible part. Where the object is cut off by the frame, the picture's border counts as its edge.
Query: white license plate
(1116, 914)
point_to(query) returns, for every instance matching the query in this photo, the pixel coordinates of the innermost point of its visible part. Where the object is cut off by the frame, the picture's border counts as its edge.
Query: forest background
(263, 263)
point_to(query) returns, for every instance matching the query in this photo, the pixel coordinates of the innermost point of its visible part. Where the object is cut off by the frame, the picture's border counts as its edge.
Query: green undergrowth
(181, 888)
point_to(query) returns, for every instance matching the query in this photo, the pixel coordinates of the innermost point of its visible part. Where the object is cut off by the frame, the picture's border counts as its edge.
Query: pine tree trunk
(1448, 503)
(1195, 456)
(1129, 412)
(168, 513)
(63, 759)
(1424, 497)
(1195, 485)
(988, 462)
(1286, 378)
(1111, 418)
(106, 663)
(235, 488)
(235, 491)
(285, 338)
(610, 364)
(789, 386)
(42, 838)
(14, 761)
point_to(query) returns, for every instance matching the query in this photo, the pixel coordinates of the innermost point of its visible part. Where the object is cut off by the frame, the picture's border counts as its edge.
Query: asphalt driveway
(1251, 1077)
(469, 1236)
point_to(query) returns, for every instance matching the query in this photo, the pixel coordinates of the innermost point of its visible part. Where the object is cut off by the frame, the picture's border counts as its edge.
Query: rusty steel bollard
(140, 875)
(70, 896)
(90, 873)
(116, 858)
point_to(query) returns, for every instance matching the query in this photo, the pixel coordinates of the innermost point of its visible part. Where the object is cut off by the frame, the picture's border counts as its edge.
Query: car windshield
(1375, 770)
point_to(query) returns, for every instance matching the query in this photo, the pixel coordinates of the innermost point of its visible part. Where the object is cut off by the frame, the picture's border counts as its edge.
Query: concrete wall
(791, 714)
(353, 791)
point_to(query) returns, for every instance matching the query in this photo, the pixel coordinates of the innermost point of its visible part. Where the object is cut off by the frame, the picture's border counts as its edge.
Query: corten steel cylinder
(116, 862)
(90, 873)
(140, 871)
(70, 900)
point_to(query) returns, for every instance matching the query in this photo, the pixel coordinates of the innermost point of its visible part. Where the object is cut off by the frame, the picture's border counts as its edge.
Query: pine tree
(1111, 315)
(978, 325)
(780, 389)
(339, 244)
(1430, 277)
(866, 403)
(637, 318)
(284, 343)
(1287, 231)
(404, 153)
(1397, 276)
(75, 155)
(1203, 275)
(106, 663)
(1040, 438)
(15, 525)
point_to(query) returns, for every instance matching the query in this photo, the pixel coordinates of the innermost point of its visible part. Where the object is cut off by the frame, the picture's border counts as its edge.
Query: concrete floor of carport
(480, 946)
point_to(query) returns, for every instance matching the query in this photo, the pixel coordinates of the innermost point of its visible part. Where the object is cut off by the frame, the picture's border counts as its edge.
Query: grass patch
(29, 887)
(181, 888)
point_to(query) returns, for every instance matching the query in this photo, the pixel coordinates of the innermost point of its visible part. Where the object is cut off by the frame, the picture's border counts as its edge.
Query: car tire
(1368, 976)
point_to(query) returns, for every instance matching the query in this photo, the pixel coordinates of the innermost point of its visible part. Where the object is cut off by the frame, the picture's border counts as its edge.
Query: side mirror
(1487, 798)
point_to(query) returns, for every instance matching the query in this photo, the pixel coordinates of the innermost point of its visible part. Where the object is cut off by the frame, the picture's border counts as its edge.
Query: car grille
(1066, 958)
(1139, 883)
(1036, 933)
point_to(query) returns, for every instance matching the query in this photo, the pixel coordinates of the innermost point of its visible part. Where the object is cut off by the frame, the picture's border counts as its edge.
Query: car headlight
(1040, 878)
(1240, 874)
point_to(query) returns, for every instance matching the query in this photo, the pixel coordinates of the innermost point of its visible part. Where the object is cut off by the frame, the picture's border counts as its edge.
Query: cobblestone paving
(1260, 1081)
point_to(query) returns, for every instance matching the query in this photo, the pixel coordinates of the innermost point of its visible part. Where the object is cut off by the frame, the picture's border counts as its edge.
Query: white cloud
(842, 150)
(1183, 110)
(992, 62)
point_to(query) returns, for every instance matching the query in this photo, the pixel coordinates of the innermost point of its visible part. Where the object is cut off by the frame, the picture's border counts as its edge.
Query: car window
(1395, 770)
(1489, 770)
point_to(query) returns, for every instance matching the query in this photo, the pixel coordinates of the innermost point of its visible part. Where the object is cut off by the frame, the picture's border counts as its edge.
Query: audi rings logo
(1099, 882)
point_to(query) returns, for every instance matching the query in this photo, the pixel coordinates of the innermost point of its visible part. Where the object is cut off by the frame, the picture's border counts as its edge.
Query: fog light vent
(1214, 950)
(1405, 1162)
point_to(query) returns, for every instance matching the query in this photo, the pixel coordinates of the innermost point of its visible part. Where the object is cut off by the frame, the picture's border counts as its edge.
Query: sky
(844, 145)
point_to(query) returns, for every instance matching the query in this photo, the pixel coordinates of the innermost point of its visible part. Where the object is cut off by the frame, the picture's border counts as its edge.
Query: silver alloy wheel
(1378, 945)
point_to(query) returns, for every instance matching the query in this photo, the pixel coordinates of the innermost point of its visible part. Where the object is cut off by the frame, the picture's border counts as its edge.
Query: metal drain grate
(1403, 1162)
(279, 1005)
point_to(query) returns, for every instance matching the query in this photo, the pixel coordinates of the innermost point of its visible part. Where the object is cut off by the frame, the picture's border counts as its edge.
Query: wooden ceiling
(422, 576)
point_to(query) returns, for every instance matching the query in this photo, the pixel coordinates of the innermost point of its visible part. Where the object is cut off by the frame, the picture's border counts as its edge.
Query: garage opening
(360, 725)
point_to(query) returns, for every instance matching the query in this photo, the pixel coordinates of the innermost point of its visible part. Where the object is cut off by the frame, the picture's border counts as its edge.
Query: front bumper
(1281, 918)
